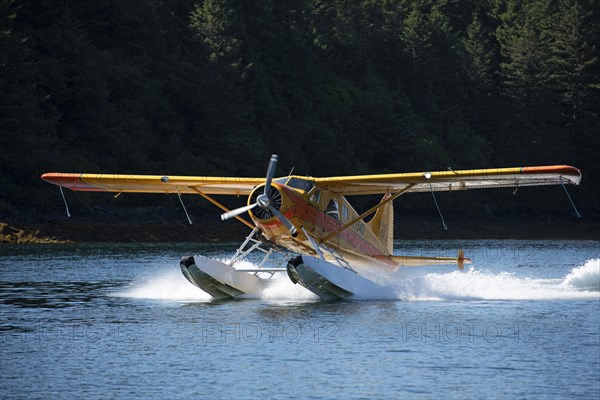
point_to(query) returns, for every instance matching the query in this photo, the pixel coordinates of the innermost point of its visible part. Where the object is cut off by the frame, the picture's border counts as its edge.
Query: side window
(333, 210)
(316, 197)
(344, 213)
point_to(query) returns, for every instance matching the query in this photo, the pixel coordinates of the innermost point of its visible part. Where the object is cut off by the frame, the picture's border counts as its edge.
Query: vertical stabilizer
(382, 225)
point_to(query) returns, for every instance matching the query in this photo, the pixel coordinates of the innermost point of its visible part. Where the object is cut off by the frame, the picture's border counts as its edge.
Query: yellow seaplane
(331, 249)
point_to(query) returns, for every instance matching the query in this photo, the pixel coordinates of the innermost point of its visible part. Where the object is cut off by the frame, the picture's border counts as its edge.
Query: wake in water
(170, 285)
(582, 282)
(585, 277)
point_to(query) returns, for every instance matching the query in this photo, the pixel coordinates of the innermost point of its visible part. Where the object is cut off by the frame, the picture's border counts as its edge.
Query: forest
(335, 87)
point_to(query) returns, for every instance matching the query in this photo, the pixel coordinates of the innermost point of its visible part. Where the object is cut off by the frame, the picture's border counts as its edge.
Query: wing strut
(367, 213)
(183, 205)
(222, 207)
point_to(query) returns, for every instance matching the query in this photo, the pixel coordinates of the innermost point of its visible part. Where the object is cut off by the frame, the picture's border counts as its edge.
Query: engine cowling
(274, 199)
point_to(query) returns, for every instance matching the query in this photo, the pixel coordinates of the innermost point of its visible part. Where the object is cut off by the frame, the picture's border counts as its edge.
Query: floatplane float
(327, 246)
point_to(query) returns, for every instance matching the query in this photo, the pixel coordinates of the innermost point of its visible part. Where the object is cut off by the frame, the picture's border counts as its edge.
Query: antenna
(438, 208)
(569, 197)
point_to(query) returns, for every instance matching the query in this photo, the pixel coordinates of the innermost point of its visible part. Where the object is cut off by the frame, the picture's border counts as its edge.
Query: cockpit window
(282, 181)
(333, 209)
(301, 184)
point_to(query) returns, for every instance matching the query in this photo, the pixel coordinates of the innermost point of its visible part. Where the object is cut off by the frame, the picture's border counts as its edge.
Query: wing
(348, 185)
(451, 180)
(153, 183)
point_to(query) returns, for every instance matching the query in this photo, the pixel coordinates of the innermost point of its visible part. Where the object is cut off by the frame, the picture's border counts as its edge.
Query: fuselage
(324, 215)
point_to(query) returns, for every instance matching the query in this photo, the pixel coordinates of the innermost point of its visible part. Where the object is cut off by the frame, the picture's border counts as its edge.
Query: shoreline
(68, 230)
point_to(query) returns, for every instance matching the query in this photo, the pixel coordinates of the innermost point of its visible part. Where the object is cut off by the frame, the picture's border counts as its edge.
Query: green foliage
(212, 87)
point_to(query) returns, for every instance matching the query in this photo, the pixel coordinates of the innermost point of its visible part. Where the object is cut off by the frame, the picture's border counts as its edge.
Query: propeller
(266, 201)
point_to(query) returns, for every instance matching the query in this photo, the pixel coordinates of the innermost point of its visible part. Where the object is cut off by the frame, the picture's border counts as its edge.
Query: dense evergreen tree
(335, 87)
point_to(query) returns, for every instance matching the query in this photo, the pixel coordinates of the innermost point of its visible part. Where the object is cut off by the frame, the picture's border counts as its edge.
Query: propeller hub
(263, 201)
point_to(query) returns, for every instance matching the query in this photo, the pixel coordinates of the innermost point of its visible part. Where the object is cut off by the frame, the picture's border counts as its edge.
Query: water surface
(119, 320)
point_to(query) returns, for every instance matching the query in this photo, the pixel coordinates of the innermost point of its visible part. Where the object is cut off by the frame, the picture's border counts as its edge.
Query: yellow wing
(153, 183)
(347, 185)
(451, 180)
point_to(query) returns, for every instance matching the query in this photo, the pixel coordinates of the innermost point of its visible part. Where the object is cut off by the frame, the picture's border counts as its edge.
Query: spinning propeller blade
(237, 211)
(284, 220)
(270, 173)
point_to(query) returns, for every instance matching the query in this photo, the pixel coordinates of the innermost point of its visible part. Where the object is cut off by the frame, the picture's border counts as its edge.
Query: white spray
(474, 284)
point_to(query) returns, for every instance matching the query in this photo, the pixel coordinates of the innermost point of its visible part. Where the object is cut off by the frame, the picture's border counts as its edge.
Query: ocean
(117, 320)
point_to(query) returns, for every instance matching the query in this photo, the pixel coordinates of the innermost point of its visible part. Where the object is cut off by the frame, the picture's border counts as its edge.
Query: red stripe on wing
(70, 181)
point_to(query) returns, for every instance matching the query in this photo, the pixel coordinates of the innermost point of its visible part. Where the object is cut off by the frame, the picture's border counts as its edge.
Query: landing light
(427, 175)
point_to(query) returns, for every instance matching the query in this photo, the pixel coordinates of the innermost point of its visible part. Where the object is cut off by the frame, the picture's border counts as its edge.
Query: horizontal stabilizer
(421, 261)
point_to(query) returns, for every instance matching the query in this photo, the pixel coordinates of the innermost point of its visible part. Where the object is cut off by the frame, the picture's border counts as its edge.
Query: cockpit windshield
(302, 184)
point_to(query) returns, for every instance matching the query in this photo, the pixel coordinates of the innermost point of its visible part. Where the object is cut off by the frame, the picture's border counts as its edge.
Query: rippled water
(102, 321)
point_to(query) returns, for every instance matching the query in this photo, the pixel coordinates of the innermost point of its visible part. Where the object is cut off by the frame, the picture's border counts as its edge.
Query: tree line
(213, 87)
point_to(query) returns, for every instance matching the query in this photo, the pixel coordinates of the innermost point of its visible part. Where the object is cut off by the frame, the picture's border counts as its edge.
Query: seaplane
(308, 225)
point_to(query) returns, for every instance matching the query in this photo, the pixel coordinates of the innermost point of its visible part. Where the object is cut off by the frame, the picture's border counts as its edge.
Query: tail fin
(382, 225)
(460, 261)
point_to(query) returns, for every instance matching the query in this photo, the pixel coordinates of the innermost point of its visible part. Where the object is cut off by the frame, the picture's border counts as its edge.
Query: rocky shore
(77, 231)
